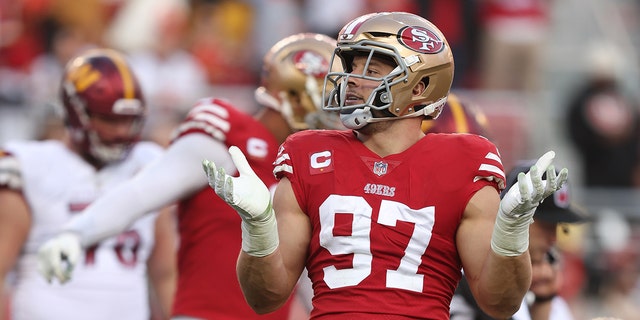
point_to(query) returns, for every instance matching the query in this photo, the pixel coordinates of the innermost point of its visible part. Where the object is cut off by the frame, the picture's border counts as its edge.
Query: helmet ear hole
(421, 87)
(425, 80)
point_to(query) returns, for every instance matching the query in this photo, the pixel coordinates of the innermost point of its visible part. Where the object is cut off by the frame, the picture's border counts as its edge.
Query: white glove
(251, 198)
(511, 230)
(58, 256)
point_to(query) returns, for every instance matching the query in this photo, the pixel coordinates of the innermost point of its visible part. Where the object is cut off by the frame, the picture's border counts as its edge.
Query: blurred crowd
(183, 50)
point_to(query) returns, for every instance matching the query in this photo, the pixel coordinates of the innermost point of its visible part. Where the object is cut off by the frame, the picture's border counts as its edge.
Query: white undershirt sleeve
(172, 177)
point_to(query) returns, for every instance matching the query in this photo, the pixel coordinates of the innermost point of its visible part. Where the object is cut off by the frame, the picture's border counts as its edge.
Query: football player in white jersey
(43, 184)
(384, 217)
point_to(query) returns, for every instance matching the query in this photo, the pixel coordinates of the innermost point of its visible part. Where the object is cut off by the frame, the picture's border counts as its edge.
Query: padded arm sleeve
(170, 178)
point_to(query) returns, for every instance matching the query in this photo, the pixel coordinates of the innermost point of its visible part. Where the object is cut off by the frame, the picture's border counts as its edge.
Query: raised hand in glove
(511, 231)
(251, 198)
(58, 256)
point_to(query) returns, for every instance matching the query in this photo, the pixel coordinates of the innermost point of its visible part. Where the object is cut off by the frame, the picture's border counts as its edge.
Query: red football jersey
(210, 234)
(384, 229)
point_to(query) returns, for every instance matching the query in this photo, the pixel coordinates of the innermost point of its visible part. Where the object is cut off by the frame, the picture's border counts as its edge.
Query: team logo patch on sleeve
(320, 162)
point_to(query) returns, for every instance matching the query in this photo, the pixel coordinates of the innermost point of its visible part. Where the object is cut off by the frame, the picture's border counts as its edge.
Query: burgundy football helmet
(458, 117)
(100, 82)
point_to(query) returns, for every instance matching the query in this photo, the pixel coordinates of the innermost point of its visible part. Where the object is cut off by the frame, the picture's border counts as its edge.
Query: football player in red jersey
(292, 80)
(384, 217)
(43, 184)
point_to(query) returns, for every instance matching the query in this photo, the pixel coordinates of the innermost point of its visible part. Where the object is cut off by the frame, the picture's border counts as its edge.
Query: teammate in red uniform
(293, 76)
(385, 217)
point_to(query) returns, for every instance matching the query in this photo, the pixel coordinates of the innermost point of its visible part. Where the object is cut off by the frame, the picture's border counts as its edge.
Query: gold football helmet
(417, 48)
(292, 80)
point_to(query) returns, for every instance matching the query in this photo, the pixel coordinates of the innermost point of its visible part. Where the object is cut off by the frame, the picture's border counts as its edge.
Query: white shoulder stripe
(213, 120)
(282, 158)
(210, 108)
(209, 129)
(491, 168)
(283, 168)
(493, 156)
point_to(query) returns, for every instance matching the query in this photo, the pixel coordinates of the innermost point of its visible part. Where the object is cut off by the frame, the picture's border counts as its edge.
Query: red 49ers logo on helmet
(311, 63)
(420, 39)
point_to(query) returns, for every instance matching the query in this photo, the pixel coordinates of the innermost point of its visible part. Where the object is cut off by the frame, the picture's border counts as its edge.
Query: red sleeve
(284, 166)
(490, 167)
(209, 116)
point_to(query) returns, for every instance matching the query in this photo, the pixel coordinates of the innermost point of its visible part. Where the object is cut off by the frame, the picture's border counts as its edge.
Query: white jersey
(109, 281)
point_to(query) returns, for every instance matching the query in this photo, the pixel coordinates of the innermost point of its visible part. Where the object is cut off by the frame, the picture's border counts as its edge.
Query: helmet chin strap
(361, 117)
(264, 98)
(433, 110)
(356, 119)
(284, 108)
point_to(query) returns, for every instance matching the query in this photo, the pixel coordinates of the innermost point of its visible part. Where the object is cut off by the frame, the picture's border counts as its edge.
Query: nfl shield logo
(380, 168)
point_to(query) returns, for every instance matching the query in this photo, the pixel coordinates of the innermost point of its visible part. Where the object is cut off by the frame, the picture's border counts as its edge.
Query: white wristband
(260, 237)
(510, 236)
